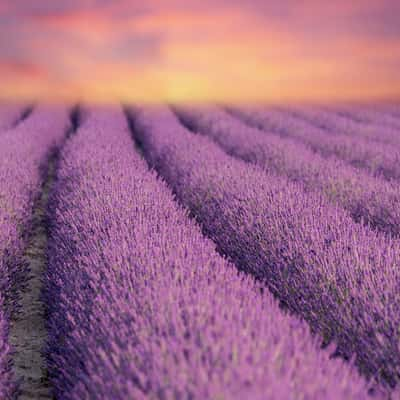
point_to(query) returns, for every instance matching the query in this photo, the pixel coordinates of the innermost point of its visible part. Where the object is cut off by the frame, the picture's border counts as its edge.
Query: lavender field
(186, 252)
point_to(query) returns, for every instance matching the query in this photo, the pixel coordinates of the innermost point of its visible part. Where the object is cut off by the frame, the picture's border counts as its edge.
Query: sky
(208, 50)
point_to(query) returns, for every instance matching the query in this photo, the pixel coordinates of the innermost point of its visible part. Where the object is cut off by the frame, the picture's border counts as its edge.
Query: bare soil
(28, 333)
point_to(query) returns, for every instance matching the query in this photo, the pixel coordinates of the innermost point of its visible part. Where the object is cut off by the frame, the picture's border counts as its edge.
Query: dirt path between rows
(28, 332)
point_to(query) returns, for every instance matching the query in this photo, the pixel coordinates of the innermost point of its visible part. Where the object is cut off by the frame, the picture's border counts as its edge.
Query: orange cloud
(82, 21)
(11, 68)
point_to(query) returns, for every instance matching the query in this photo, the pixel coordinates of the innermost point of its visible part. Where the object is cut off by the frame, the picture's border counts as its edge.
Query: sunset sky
(186, 50)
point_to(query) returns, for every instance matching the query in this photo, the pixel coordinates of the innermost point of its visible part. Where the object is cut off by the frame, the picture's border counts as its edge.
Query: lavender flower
(378, 159)
(374, 201)
(141, 304)
(337, 274)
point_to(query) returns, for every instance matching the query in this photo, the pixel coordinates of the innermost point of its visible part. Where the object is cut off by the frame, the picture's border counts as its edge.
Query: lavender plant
(141, 304)
(9, 114)
(367, 115)
(374, 201)
(379, 159)
(338, 124)
(340, 276)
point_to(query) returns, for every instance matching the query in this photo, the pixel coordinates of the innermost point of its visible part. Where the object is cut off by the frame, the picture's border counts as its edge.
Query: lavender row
(339, 275)
(339, 124)
(392, 109)
(367, 114)
(9, 115)
(378, 159)
(22, 152)
(142, 306)
(373, 201)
